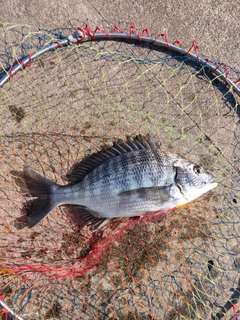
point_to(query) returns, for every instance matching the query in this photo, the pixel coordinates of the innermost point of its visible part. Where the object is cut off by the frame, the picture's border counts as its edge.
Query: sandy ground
(164, 273)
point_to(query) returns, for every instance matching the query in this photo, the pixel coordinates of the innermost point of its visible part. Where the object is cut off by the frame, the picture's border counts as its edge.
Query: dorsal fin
(81, 169)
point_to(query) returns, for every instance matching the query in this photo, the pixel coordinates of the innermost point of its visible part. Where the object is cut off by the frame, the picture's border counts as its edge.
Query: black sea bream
(129, 179)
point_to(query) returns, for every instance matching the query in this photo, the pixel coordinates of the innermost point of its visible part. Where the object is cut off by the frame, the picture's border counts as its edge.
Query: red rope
(90, 32)
(11, 72)
(146, 31)
(235, 307)
(116, 28)
(86, 31)
(226, 70)
(178, 42)
(164, 37)
(132, 29)
(84, 35)
(24, 65)
(59, 44)
(2, 309)
(101, 30)
(194, 46)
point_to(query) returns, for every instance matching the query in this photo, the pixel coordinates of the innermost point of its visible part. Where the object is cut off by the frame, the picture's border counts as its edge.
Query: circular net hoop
(61, 98)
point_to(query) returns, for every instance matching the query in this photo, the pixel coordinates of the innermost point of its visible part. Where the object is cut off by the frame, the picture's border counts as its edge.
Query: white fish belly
(137, 204)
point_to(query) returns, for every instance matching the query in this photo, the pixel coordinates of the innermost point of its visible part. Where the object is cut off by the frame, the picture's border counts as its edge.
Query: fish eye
(197, 169)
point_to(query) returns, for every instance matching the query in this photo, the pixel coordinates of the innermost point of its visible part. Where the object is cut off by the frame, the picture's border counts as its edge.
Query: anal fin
(89, 217)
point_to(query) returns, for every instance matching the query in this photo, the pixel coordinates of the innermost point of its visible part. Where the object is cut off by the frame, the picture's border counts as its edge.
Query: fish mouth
(208, 186)
(213, 185)
(210, 180)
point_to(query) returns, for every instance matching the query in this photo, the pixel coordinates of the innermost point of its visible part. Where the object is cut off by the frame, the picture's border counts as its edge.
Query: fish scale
(125, 172)
(100, 191)
(129, 179)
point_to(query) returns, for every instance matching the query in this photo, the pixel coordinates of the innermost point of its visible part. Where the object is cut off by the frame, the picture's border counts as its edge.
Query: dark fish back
(129, 171)
(89, 163)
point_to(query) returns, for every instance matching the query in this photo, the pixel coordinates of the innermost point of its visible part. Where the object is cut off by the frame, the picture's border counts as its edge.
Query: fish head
(193, 180)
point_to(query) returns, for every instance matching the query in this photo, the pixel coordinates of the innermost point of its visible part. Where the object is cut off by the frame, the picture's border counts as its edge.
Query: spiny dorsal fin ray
(132, 144)
(81, 169)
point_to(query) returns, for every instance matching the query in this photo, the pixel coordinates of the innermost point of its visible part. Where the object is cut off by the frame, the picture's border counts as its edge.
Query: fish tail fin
(43, 189)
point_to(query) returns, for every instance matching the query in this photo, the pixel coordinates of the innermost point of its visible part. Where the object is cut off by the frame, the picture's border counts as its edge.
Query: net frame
(86, 34)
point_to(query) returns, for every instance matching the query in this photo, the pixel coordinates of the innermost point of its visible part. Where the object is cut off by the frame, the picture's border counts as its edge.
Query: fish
(131, 178)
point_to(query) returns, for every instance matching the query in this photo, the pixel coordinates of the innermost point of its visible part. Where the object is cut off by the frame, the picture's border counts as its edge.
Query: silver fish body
(128, 179)
(127, 185)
